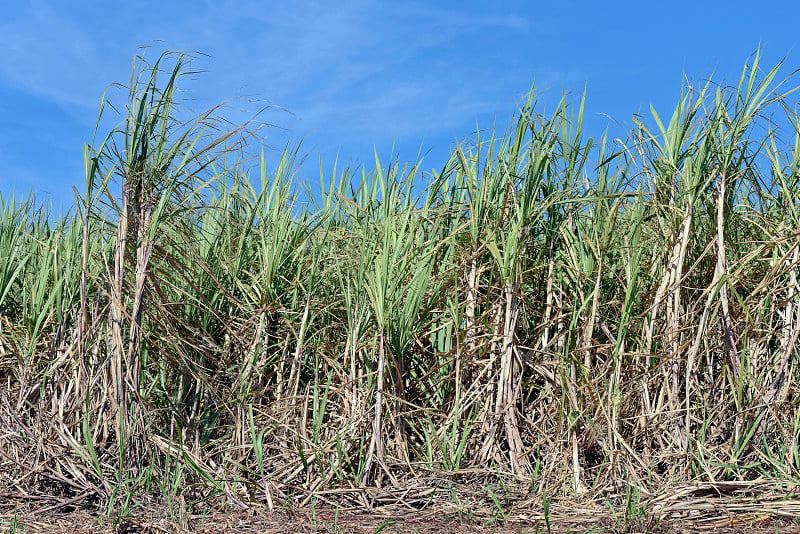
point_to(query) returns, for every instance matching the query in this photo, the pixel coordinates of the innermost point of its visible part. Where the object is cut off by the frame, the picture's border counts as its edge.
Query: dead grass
(331, 521)
(725, 508)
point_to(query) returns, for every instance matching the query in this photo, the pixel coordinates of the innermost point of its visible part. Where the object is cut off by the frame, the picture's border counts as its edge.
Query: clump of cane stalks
(549, 311)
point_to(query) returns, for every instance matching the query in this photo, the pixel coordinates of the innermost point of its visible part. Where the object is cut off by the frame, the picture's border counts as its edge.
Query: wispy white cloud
(307, 56)
(372, 69)
(351, 73)
(46, 54)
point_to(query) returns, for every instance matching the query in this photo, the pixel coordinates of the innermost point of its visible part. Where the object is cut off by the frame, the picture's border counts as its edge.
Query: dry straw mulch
(709, 507)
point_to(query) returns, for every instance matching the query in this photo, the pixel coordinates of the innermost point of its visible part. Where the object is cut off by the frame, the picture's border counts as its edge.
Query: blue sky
(350, 77)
